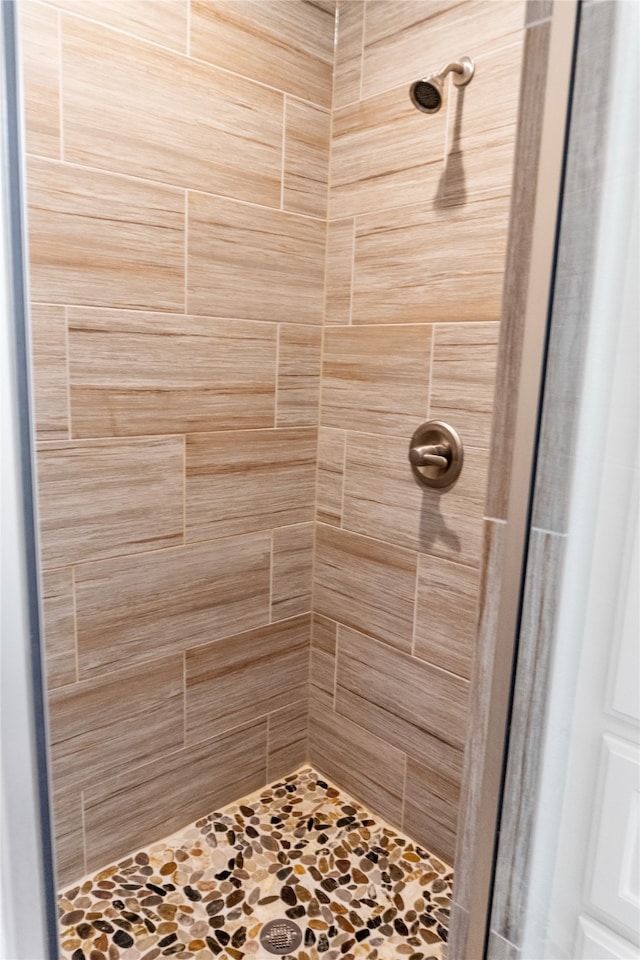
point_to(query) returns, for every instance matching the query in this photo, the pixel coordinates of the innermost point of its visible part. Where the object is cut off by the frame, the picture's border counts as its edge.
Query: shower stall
(286, 335)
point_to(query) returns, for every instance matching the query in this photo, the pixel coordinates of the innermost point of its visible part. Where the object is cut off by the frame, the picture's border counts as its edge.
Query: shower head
(427, 93)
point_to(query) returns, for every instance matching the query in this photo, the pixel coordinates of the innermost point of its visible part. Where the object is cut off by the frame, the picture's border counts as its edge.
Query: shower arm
(463, 71)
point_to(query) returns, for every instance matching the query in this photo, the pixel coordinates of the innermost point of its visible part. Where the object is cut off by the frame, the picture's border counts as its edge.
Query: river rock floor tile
(299, 849)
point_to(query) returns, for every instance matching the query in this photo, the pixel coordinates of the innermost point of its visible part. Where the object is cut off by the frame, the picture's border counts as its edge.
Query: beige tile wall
(177, 187)
(418, 210)
(182, 265)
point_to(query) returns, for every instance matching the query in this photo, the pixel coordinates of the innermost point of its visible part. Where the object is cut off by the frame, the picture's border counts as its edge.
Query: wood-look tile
(421, 263)
(134, 808)
(481, 139)
(463, 376)
(537, 634)
(288, 46)
(137, 374)
(59, 626)
(100, 726)
(160, 123)
(132, 610)
(299, 349)
(405, 40)
(383, 499)
(446, 614)
(368, 767)
(348, 61)
(247, 480)
(376, 379)
(49, 359)
(340, 247)
(291, 571)
(527, 150)
(411, 704)
(306, 158)
(331, 450)
(384, 154)
(431, 809)
(253, 263)
(155, 20)
(102, 498)
(41, 76)
(90, 237)
(323, 653)
(538, 10)
(478, 745)
(241, 678)
(366, 584)
(287, 739)
(66, 804)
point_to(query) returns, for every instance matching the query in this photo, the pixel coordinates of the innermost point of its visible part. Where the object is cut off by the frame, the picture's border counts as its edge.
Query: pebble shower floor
(300, 849)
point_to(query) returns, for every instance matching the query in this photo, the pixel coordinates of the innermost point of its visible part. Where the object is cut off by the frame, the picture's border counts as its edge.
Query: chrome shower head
(427, 93)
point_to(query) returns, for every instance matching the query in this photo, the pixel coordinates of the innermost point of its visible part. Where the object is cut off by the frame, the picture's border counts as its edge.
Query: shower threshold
(300, 850)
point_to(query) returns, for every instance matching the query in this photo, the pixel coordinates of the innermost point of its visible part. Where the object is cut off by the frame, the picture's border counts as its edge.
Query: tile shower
(255, 269)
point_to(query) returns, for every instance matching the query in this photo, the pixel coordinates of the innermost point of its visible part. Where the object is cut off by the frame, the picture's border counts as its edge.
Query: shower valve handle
(432, 455)
(435, 454)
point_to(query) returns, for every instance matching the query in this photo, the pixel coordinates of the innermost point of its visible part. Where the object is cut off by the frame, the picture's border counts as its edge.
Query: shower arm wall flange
(462, 70)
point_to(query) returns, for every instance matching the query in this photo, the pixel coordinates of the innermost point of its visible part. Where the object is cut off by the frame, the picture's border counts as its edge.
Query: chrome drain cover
(281, 936)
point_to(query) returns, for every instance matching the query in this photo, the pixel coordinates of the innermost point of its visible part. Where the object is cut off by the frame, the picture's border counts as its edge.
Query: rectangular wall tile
(403, 40)
(241, 678)
(368, 767)
(160, 123)
(253, 263)
(59, 626)
(292, 570)
(245, 480)
(68, 833)
(306, 158)
(137, 807)
(411, 704)
(140, 373)
(376, 379)
(155, 20)
(413, 264)
(132, 610)
(287, 739)
(101, 498)
(463, 378)
(299, 349)
(99, 726)
(288, 46)
(365, 584)
(431, 809)
(90, 237)
(338, 281)
(324, 633)
(348, 62)
(446, 614)
(331, 450)
(379, 158)
(481, 139)
(383, 499)
(41, 77)
(49, 359)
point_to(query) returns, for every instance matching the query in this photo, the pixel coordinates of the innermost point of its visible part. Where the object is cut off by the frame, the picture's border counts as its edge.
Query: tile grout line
(276, 391)
(184, 700)
(415, 606)
(345, 434)
(431, 355)
(271, 555)
(353, 271)
(67, 360)
(83, 818)
(188, 46)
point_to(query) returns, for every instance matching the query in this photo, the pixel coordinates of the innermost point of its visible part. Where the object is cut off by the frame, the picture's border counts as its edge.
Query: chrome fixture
(435, 454)
(281, 936)
(426, 94)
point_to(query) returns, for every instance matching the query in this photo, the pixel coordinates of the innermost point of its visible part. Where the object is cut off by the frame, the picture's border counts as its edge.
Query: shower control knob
(435, 454)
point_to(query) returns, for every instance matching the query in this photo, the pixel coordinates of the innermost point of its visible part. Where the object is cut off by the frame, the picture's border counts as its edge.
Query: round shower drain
(281, 936)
